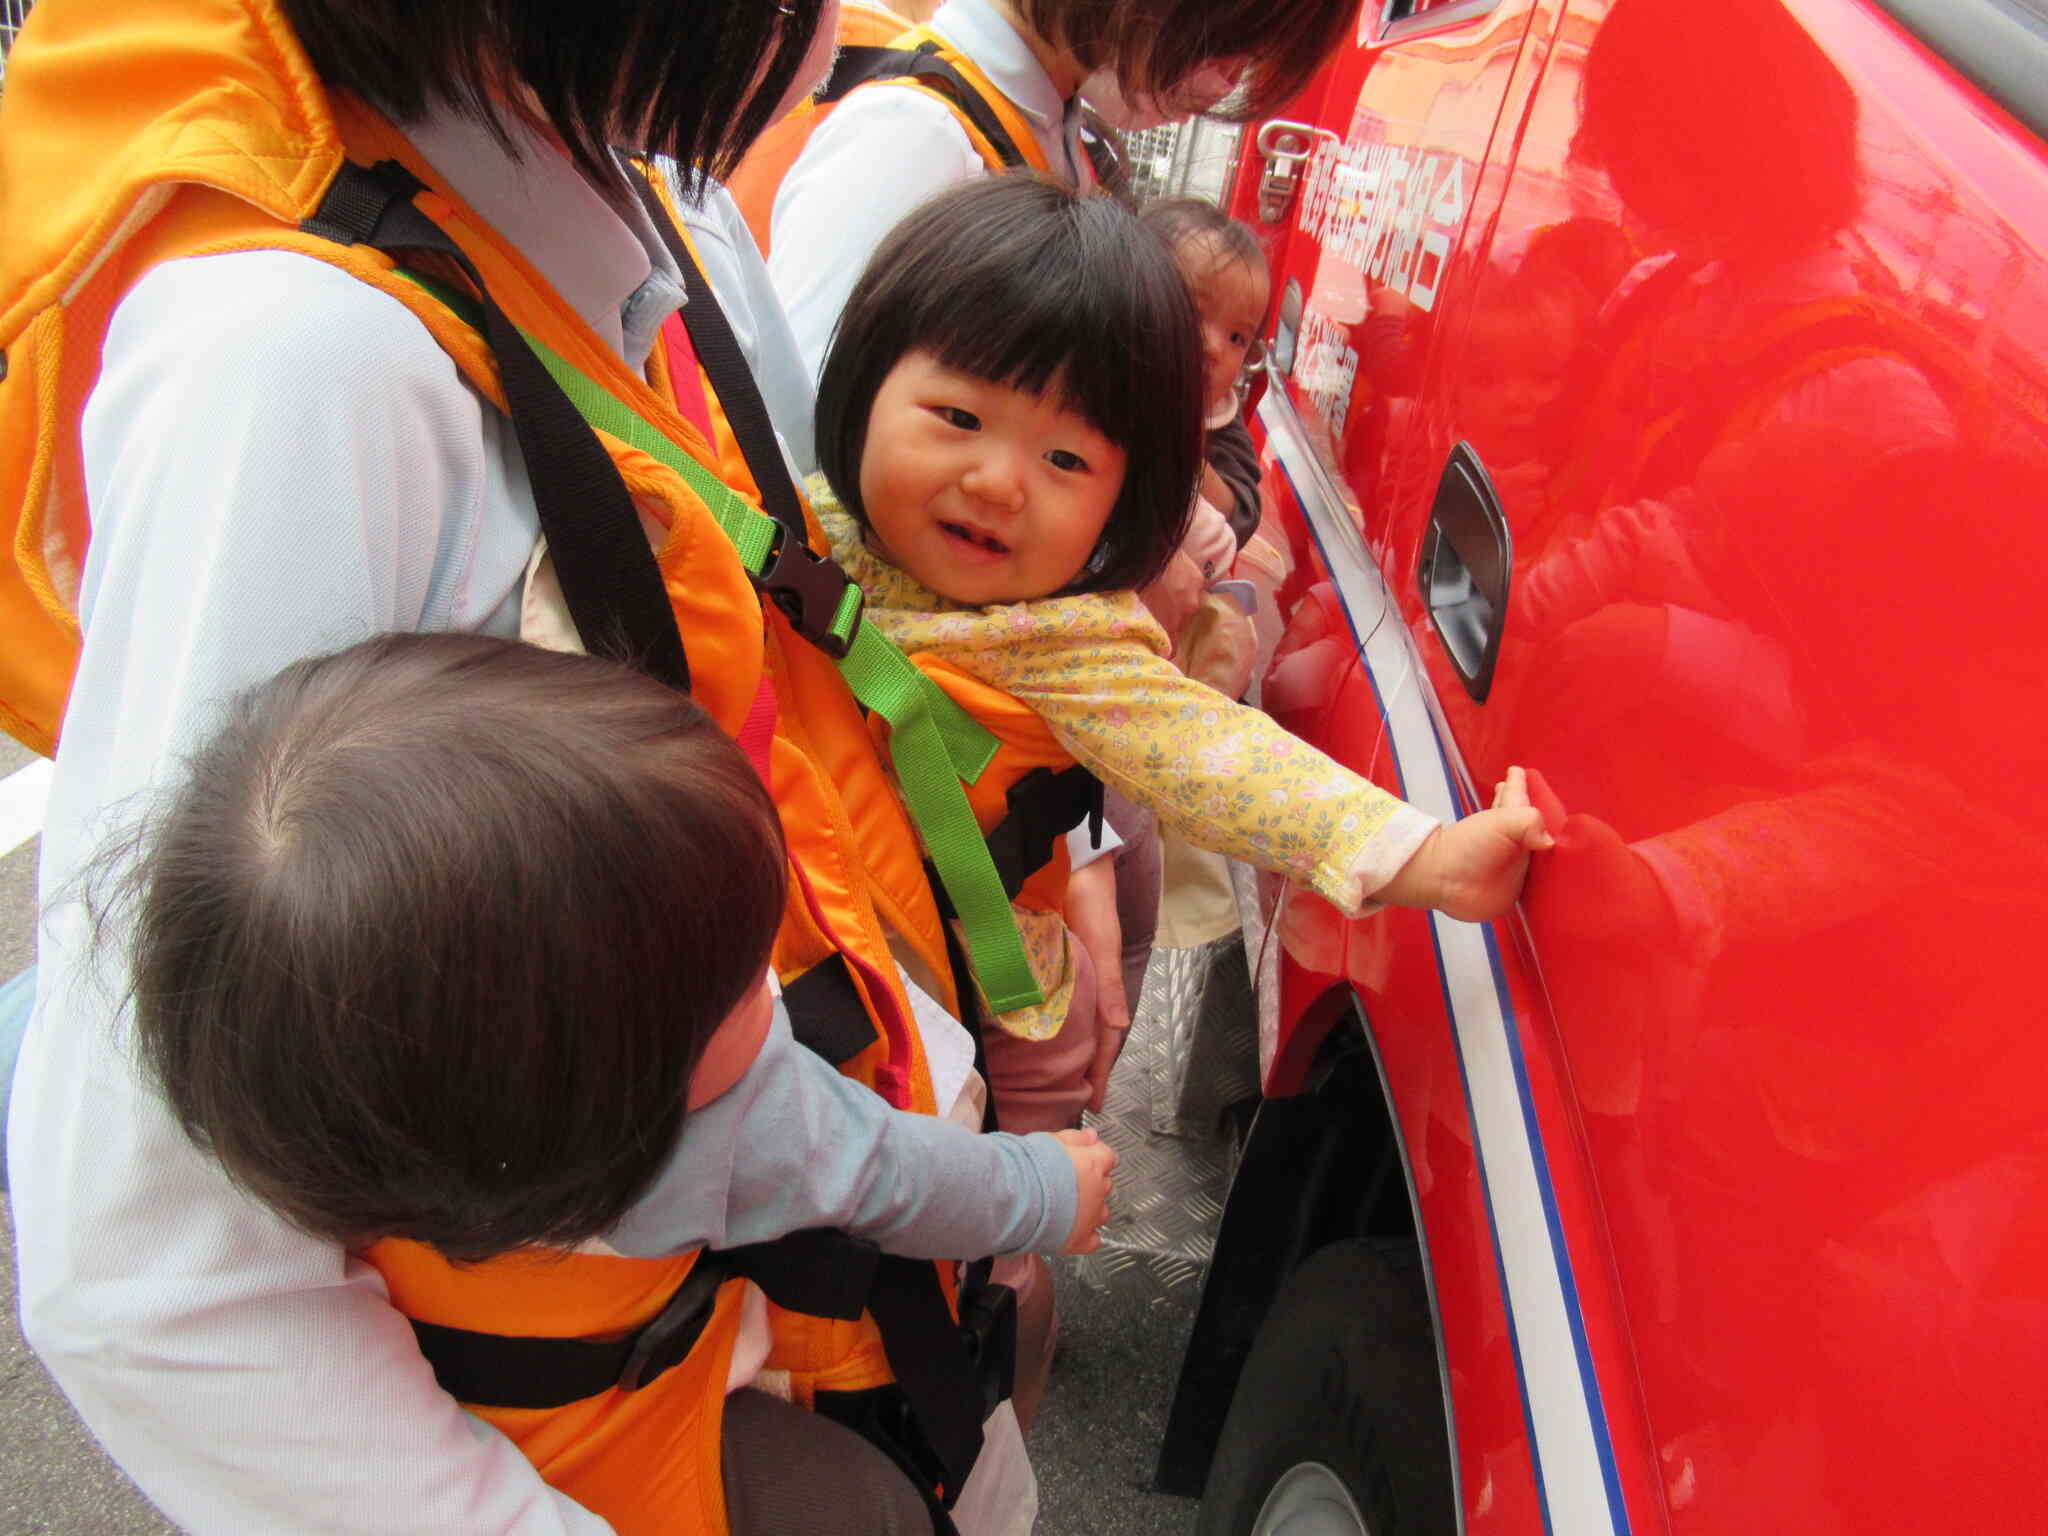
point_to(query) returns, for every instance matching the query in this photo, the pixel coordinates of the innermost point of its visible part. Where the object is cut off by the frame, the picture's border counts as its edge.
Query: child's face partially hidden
(733, 1045)
(982, 492)
(1230, 299)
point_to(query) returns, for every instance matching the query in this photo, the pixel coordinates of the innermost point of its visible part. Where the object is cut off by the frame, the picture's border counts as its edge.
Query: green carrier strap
(934, 743)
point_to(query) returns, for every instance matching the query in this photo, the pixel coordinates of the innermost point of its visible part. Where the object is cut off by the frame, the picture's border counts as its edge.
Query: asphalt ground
(1093, 1446)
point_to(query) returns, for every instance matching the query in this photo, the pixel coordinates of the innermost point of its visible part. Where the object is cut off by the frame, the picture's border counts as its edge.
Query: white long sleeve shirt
(881, 152)
(279, 461)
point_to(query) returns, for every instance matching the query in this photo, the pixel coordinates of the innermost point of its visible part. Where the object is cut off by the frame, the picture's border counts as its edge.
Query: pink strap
(684, 377)
(757, 732)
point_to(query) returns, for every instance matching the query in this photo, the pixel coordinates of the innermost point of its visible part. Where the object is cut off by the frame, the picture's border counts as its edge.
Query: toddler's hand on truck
(1473, 869)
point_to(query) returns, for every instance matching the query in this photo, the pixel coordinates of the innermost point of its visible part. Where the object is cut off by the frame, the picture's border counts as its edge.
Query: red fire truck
(1658, 398)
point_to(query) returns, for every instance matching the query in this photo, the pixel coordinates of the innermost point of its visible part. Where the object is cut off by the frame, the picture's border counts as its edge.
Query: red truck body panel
(1731, 1152)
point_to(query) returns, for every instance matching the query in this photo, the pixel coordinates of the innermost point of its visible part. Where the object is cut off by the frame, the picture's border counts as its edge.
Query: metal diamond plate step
(1193, 1051)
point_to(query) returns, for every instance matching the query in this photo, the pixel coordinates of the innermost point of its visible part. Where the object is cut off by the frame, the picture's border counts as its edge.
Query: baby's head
(1224, 267)
(436, 931)
(1012, 402)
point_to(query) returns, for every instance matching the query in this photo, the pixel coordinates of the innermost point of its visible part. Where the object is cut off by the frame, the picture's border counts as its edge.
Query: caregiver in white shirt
(280, 460)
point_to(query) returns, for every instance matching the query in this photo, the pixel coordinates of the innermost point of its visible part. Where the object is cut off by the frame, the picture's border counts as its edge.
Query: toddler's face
(984, 493)
(1230, 298)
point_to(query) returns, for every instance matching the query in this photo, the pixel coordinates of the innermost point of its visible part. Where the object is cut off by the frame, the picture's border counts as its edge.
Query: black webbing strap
(988, 1312)
(732, 381)
(804, 586)
(882, 1416)
(821, 1273)
(1043, 807)
(825, 1011)
(1099, 142)
(857, 66)
(607, 570)
(496, 1370)
(932, 1365)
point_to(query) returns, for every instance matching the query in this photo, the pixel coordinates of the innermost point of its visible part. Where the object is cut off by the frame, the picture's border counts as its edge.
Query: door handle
(1467, 555)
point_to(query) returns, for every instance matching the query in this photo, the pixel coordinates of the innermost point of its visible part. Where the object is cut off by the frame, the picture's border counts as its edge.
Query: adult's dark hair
(1156, 44)
(697, 82)
(1175, 219)
(1675, 93)
(435, 930)
(1018, 281)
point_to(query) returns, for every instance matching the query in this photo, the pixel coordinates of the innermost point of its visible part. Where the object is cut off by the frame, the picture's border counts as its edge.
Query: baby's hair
(434, 930)
(1176, 220)
(1019, 282)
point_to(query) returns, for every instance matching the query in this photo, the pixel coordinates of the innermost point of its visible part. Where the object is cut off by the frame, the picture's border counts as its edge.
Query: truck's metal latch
(1286, 147)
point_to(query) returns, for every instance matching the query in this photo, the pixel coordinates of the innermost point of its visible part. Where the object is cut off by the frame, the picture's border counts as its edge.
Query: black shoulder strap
(608, 573)
(806, 586)
(718, 349)
(928, 1356)
(1103, 146)
(1043, 807)
(857, 66)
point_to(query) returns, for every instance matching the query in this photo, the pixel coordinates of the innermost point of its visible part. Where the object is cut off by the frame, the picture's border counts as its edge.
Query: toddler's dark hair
(436, 928)
(1018, 281)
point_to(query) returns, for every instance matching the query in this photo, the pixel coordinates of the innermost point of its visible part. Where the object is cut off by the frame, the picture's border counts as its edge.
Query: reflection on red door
(1744, 309)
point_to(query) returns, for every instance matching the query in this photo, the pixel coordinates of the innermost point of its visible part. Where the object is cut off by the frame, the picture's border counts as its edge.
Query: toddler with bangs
(1010, 426)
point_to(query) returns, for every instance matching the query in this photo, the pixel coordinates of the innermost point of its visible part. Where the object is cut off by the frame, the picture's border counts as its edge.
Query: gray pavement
(1097, 1433)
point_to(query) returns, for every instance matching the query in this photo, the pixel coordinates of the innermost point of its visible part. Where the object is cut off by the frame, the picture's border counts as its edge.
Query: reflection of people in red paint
(1799, 824)
(1510, 391)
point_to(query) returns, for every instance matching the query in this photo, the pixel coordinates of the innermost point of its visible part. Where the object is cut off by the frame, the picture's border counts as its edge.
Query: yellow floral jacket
(1219, 775)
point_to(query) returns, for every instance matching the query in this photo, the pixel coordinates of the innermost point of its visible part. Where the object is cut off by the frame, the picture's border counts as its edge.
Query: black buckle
(809, 590)
(673, 1331)
(988, 1327)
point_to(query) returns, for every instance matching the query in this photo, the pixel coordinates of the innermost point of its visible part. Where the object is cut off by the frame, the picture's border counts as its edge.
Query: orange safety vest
(222, 139)
(868, 30)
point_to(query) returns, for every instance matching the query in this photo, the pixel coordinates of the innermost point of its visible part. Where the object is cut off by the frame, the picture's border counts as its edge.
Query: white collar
(609, 264)
(978, 30)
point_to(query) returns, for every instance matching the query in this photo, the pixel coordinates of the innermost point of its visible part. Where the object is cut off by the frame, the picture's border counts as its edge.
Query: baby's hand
(1473, 869)
(1092, 1164)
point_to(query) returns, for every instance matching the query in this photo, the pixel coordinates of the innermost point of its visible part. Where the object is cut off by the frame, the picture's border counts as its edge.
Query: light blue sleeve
(793, 1145)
